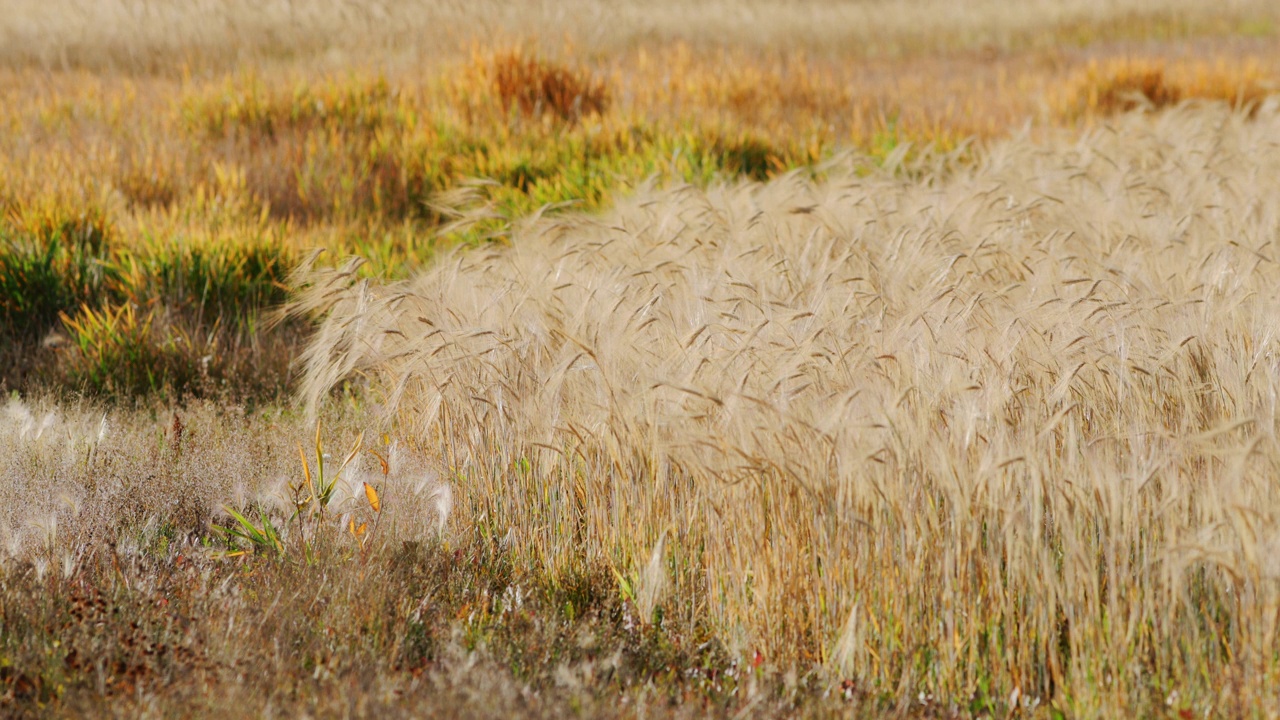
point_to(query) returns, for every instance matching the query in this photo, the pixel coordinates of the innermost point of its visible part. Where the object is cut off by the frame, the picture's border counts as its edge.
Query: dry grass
(119, 601)
(535, 87)
(1003, 433)
(844, 401)
(1122, 85)
(161, 38)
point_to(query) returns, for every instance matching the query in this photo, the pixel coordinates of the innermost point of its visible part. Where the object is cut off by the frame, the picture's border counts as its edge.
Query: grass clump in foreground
(119, 593)
(1004, 439)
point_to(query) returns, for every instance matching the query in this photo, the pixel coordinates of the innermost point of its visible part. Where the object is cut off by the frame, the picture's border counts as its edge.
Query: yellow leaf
(319, 453)
(351, 525)
(360, 530)
(306, 469)
(386, 467)
(372, 494)
(355, 450)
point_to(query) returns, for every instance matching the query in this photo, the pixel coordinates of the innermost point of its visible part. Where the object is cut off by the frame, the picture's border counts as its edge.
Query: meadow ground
(734, 359)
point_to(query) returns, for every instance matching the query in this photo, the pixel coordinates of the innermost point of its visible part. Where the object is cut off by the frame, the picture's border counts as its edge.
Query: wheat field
(1012, 422)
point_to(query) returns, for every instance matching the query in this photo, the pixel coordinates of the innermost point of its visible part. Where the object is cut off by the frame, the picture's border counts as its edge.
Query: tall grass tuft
(51, 260)
(535, 87)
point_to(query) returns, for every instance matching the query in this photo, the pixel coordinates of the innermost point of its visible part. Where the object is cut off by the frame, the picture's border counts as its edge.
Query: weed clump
(1128, 90)
(49, 266)
(1123, 86)
(114, 352)
(82, 308)
(539, 88)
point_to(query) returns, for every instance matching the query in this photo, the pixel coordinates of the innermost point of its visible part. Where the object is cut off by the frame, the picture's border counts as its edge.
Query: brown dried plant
(1122, 85)
(536, 87)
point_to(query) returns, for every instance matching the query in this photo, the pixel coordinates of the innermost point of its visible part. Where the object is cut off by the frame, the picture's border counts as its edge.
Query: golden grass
(1005, 430)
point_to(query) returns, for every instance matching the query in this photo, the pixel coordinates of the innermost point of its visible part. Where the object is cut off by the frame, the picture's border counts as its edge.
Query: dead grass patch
(1122, 85)
(537, 87)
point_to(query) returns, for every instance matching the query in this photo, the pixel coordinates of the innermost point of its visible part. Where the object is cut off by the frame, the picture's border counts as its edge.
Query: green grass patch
(169, 315)
(49, 264)
(343, 150)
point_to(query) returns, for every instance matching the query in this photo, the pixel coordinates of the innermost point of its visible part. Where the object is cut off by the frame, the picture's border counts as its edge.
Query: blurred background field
(165, 170)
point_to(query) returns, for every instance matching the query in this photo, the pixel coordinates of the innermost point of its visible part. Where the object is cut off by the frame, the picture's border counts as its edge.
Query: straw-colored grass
(163, 38)
(119, 600)
(739, 358)
(1004, 431)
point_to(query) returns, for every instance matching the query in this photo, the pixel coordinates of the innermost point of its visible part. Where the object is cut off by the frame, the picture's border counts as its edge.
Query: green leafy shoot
(261, 538)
